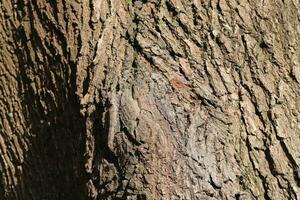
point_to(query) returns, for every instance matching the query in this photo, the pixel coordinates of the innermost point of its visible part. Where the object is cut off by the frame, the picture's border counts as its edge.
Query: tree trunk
(149, 99)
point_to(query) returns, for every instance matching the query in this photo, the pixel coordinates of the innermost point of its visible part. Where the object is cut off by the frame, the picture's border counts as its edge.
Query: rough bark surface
(149, 99)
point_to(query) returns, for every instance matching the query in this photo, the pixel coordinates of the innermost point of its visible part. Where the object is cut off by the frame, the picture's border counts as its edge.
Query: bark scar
(113, 119)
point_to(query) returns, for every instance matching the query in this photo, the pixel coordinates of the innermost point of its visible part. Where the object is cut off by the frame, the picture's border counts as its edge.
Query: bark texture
(149, 99)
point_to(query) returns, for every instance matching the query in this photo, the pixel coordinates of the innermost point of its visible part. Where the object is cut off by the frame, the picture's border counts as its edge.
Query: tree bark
(145, 99)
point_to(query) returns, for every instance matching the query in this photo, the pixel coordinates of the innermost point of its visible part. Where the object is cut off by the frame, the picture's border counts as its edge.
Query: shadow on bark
(53, 166)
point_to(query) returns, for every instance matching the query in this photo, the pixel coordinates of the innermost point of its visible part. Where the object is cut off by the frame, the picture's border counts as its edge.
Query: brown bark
(168, 99)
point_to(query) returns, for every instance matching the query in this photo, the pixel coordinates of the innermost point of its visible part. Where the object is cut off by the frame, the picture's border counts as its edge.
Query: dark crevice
(171, 8)
(270, 160)
(129, 135)
(263, 45)
(292, 161)
(213, 184)
(265, 186)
